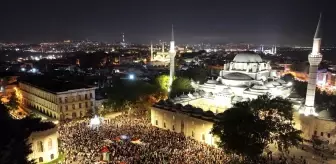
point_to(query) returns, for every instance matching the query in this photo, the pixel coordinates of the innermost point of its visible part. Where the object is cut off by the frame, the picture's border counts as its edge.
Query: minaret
(123, 37)
(172, 54)
(151, 52)
(162, 47)
(275, 49)
(262, 48)
(314, 60)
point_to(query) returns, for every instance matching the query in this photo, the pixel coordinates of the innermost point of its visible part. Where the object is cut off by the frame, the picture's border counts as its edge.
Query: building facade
(190, 121)
(57, 99)
(44, 145)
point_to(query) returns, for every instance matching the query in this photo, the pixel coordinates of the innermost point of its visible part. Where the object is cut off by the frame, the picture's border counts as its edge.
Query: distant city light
(23, 69)
(34, 70)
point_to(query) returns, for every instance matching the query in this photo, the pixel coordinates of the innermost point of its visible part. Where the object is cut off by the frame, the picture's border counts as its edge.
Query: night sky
(142, 21)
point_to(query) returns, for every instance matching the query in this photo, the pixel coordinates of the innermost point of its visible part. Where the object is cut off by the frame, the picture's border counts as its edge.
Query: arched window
(41, 159)
(51, 156)
(73, 106)
(74, 115)
(39, 146)
(49, 144)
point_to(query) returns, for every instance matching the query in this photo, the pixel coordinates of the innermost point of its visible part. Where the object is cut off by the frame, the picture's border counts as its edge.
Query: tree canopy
(249, 127)
(13, 103)
(14, 146)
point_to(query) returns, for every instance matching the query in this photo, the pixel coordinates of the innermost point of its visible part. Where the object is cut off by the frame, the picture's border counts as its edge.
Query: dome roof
(325, 115)
(269, 85)
(196, 94)
(237, 76)
(281, 81)
(259, 87)
(211, 82)
(247, 58)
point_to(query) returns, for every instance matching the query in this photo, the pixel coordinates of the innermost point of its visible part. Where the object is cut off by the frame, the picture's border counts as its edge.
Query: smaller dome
(197, 112)
(259, 87)
(184, 96)
(211, 82)
(177, 99)
(237, 76)
(246, 99)
(196, 94)
(281, 81)
(178, 106)
(209, 113)
(269, 85)
(236, 99)
(325, 115)
(275, 83)
(202, 93)
(187, 108)
(247, 58)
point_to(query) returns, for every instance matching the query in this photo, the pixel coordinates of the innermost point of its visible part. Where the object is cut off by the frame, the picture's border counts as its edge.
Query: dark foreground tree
(249, 127)
(14, 146)
(13, 103)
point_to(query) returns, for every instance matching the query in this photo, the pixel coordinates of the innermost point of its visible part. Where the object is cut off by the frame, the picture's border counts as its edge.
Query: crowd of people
(82, 144)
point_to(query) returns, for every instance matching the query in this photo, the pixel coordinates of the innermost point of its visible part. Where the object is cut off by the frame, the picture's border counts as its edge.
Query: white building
(245, 78)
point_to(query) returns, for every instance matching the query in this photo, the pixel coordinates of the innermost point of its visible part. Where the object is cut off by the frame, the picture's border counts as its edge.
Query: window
(328, 135)
(79, 97)
(66, 107)
(315, 133)
(91, 103)
(74, 115)
(321, 133)
(73, 106)
(80, 105)
(192, 134)
(66, 99)
(60, 100)
(39, 146)
(156, 122)
(85, 96)
(203, 137)
(164, 124)
(52, 156)
(41, 159)
(86, 104)
(49, 144)
(61, 108)
(90, 95)
(173, 127)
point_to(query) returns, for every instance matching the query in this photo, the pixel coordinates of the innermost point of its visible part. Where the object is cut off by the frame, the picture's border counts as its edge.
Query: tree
(181, 85)
(13, 103)
(288, 77)
(14, 146)
(249, 127)
(163, 82)
(196, 73)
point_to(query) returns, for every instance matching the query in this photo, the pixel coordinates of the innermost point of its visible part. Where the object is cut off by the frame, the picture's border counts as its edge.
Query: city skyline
(219, 22)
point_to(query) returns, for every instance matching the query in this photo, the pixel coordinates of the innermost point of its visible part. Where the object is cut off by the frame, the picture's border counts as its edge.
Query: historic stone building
(190, 121)
(44, 145)
(57, 99)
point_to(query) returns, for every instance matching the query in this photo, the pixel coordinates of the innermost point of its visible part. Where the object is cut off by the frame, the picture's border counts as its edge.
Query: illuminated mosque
(245, 78)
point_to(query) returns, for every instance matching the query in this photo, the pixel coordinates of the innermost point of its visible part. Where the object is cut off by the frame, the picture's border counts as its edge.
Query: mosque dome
(196, 94)
(259, 87)
(237, 76)
(325, 115)
(247, 58)
(210, 81)
(178, 106)
(236, 99)
(187, 108)
(269, 85)
(208, 114)
(197, 112)
(281, 81)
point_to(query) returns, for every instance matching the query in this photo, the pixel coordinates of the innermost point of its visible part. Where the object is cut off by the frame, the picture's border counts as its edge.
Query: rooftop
(52, 85)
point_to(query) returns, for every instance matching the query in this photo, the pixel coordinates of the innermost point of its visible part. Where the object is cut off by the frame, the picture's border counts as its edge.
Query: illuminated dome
(237, 76)
(247, 58)
(259, 87)
(211, 82)
(325, 115)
